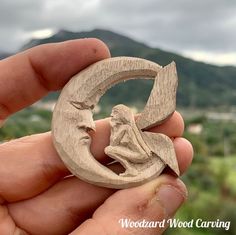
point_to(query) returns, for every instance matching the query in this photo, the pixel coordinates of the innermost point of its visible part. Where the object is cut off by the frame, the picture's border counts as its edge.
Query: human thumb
(141, 210)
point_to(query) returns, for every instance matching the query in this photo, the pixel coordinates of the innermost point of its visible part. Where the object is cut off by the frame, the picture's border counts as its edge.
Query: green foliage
(26, 122)
(122, 94)
(211, 195)
(217, 138)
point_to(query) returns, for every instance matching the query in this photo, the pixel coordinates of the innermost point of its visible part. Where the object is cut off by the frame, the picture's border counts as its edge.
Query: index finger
(28, 76)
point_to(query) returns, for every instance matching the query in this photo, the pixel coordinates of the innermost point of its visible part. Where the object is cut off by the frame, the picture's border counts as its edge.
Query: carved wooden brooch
(143, 154)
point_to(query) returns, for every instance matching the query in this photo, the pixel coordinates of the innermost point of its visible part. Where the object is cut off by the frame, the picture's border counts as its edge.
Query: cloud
(181, 24)
(184, 26)
(215, 58)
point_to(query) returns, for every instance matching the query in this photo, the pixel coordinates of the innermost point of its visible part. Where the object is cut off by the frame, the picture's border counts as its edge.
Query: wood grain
(143, 154)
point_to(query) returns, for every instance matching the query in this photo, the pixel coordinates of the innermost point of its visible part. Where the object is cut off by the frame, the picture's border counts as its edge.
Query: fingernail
(171, 198)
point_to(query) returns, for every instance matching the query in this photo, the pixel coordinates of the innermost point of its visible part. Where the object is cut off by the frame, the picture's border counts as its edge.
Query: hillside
(3, 55)
(200, 85)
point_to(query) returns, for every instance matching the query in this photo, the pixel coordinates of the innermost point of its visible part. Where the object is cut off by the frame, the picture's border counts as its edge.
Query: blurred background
(199, 36)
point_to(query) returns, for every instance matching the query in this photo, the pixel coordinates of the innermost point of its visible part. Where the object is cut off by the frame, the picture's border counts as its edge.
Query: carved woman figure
(126, 144)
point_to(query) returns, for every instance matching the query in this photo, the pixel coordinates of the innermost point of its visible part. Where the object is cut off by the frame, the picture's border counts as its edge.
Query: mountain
(201, 85)
(4, 55)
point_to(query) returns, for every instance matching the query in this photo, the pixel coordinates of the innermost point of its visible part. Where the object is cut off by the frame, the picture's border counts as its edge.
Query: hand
(37, 194)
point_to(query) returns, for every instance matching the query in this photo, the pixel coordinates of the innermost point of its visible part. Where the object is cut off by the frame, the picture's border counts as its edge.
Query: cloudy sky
(204, 29)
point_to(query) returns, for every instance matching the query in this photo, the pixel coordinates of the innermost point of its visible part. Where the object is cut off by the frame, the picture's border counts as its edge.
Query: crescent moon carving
(72, 119)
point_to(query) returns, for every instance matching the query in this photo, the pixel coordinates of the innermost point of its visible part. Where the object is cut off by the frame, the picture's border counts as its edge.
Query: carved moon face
(72, 119)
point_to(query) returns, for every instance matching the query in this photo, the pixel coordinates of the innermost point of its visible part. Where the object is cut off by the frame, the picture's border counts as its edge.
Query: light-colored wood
(161, 102)
(143, 154)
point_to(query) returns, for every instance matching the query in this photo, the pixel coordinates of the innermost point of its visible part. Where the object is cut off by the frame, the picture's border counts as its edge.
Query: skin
(37, 193)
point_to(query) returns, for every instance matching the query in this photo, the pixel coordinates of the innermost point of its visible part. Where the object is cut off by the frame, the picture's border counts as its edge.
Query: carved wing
(163, 94)
(164, 149)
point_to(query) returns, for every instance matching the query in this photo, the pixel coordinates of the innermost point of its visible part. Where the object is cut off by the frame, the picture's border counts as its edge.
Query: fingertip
(184, 153)
(172, 127)
(165, 179)
(164, 195)
(44, 68)
(56, 63)
(156, 200)
(180, 119)
(100, 49)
